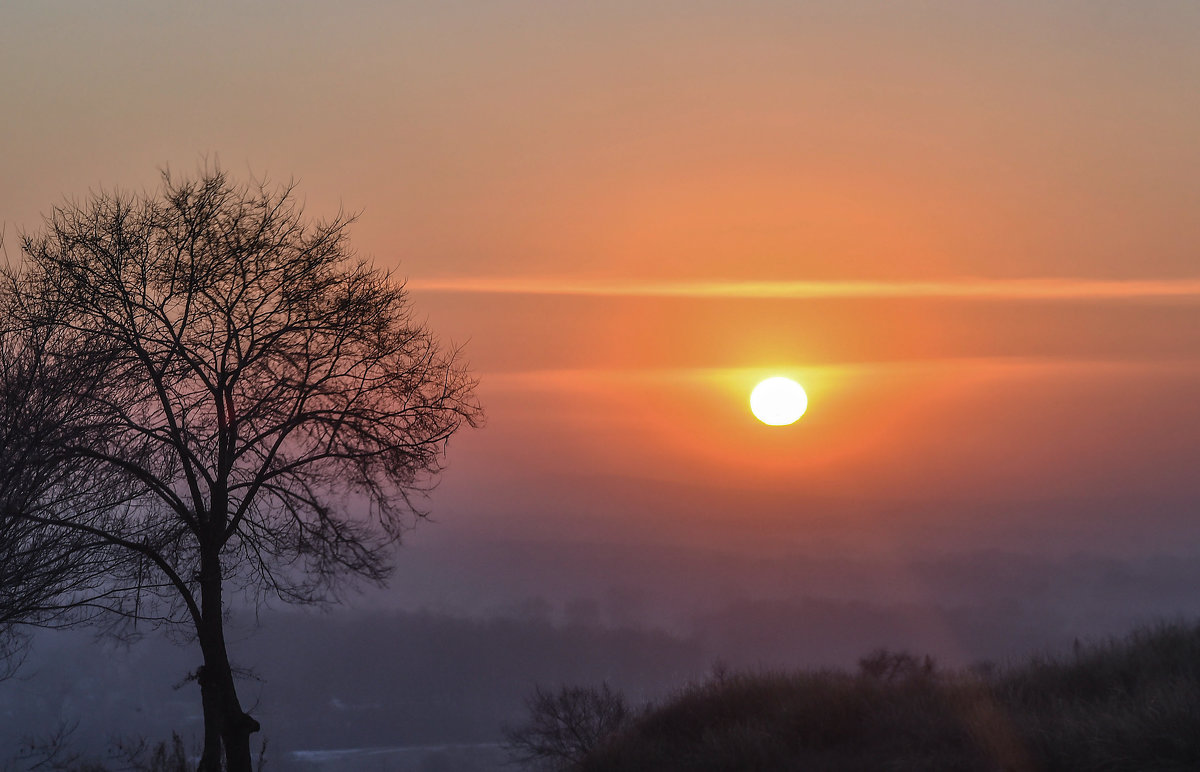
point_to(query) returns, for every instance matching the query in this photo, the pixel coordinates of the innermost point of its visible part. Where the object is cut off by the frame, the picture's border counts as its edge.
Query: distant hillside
(1129, 704)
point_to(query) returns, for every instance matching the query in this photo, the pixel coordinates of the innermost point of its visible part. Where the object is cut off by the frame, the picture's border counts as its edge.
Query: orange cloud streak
(987, 289)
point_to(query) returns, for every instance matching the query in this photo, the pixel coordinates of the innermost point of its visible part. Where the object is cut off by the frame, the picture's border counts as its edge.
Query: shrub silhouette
(564, 726)
(885, 665)
(1129, 704)
(53, 753)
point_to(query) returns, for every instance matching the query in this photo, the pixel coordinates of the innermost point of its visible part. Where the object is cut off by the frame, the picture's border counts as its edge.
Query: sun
(778, 401)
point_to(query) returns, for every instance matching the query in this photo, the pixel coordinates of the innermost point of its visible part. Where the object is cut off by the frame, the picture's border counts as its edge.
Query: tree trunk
(210, 758)
(226, 725)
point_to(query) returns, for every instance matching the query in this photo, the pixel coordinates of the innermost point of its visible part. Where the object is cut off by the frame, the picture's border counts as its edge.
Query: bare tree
(49, 575)
(564, 726)
(267, 398)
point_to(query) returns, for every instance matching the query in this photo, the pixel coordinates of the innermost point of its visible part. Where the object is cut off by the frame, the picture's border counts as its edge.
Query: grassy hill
(1129, 704)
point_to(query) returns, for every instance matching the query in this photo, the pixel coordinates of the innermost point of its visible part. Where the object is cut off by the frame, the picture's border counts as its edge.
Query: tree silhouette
(564, 726)
(265, 398)
(48, 575)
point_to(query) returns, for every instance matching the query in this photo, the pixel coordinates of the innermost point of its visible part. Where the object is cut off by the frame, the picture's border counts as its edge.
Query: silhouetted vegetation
(49, 575)
(1129, 704)
(359, 679)
(258, 405)
(885, 665)
(565, 725)
(55, 753)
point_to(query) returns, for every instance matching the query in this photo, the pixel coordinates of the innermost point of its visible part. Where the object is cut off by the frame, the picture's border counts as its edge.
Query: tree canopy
(48, 575)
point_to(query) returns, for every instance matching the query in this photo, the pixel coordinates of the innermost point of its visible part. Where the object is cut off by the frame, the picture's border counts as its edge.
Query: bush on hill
(1130, 704)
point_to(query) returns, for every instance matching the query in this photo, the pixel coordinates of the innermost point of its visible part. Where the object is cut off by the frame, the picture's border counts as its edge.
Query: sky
(969, 230)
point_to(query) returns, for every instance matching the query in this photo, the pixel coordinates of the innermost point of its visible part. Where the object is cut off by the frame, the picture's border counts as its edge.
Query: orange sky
(969, 228)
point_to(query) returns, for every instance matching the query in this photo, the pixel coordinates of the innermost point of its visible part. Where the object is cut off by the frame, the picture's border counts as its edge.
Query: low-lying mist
(425, 669)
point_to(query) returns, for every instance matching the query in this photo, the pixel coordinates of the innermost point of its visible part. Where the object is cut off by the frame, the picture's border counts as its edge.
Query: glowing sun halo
(778, 401)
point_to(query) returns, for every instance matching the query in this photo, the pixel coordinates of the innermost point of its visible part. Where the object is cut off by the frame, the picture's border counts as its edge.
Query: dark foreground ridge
(1128, 704)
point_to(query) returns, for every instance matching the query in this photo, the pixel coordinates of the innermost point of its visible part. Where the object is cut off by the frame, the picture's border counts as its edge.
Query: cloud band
(967, 288)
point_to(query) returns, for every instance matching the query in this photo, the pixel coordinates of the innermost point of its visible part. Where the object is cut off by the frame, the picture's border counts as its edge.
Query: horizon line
(981, 288)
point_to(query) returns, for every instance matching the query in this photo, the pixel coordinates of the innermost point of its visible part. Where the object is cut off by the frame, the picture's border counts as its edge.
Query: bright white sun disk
(778, 401)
